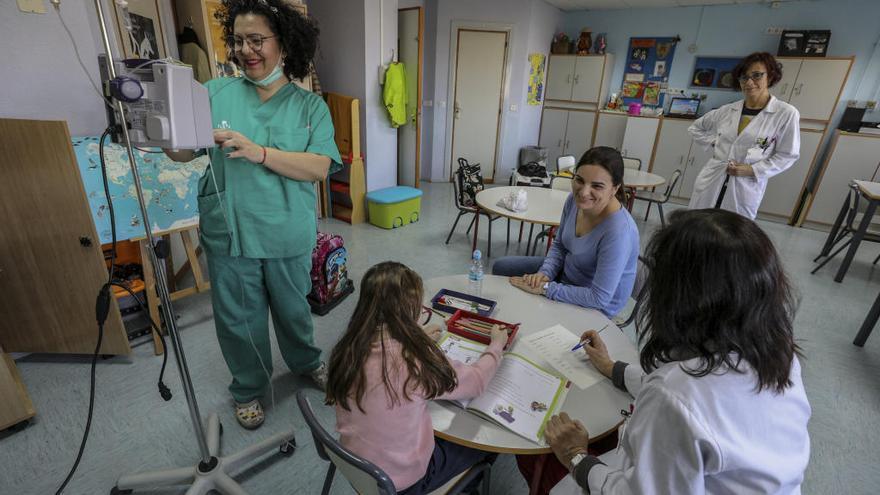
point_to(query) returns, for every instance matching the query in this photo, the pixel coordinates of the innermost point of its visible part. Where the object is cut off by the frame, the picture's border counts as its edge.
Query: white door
(587, 78)
(790, 68)
(408, 135)
(697, 159)
(854, 157)
(553, 124)
(560, 72)
(610, 130)
(579, 132)
(479, 81)
(673, 145)
(818, 84)
(784, 190)
(638, 140)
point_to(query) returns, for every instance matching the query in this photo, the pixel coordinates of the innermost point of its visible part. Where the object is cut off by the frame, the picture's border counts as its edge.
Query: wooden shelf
(342, 212)
(340, 187)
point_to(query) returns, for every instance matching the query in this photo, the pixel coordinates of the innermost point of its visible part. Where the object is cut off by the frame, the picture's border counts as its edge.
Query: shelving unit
(347, 188)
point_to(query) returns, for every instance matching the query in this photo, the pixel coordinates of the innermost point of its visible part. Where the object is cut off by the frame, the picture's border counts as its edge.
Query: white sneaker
(319, 376)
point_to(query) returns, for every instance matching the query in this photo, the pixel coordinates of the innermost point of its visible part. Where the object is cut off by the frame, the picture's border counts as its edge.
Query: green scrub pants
(243, 291)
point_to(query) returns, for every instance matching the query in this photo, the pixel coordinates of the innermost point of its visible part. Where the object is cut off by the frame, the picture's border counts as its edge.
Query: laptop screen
(684, 106)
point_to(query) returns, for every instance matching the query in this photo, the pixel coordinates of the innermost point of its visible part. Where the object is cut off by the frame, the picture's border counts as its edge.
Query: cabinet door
(638, 140)
(560, 73)
(790, 68)
(784, 190)
(610, 130)
(672, 149)
(695, 162)
(587, 78)
(553, 134)
(853, 157)
(818, 84)
(579, 132)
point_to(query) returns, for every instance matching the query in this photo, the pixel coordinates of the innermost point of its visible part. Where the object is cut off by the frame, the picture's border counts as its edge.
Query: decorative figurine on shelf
(585, 42)
(600, 44)
(561, 44)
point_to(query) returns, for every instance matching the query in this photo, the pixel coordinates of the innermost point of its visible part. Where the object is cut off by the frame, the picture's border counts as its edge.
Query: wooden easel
(192, 263)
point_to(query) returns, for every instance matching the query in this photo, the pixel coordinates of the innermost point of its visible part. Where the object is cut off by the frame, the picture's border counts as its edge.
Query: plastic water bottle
(475, 274)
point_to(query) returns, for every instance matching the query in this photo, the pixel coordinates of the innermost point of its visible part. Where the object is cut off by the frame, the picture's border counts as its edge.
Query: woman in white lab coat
(719, 403)
(752, 139)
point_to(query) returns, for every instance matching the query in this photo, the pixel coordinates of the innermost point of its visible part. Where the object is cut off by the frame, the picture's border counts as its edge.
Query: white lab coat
(770, 144)
(705, 435)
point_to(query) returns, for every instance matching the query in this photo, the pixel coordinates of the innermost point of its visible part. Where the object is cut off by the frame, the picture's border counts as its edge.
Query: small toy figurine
(585, 42)
(600, 44)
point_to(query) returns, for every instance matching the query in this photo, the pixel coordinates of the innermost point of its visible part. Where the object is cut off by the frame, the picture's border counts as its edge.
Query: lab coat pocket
(755, 155)
(289, 139)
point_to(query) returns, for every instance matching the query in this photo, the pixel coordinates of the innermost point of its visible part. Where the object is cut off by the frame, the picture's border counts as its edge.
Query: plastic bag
(516, 201)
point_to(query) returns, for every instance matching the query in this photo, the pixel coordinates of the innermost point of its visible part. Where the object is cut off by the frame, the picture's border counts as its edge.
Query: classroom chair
(365, 477)
(639, 292)
(467, 181)
(854, 214)
(633, 163)
(659, 199)
(565, 163)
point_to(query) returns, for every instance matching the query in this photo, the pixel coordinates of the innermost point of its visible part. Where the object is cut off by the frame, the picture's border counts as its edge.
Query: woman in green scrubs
(257, 208)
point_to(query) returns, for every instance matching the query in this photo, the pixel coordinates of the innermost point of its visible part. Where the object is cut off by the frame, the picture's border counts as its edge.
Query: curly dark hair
(716, 290)
(774, 68)
(297, 33)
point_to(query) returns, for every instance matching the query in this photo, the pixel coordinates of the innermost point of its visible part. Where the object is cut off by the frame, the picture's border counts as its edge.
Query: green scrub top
(269, 216)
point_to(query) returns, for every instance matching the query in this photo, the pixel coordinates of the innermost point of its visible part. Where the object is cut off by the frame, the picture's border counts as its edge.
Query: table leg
(630, 201)
(868, 324)
(535, 482)
(857, 239)
(832, 236)
(476, 229)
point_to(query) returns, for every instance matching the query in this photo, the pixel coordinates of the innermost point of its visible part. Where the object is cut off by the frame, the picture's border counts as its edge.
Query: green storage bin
(394, 206)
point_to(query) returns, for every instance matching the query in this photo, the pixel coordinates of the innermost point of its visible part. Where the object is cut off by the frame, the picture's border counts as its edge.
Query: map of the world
(170, 189)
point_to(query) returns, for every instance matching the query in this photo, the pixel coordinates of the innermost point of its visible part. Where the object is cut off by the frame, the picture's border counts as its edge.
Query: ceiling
(569, 5)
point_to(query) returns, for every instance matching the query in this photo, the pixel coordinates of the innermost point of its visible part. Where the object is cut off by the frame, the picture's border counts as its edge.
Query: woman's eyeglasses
(425, 315)
(255, 41)
(754, 76)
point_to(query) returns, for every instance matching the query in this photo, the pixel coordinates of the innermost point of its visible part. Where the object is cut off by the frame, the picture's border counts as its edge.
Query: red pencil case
(452, 326)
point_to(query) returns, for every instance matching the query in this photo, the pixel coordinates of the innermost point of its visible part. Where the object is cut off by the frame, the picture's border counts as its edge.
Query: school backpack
(330, 282)
(531, 174)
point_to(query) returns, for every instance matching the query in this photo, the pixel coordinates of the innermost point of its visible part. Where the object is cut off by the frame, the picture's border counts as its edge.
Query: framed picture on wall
(145, 39)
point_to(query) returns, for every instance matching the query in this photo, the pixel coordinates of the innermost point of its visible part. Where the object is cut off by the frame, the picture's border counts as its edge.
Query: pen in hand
(587, 341)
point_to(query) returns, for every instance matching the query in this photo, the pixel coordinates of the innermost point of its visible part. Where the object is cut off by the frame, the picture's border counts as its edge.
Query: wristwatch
(544, 288)
(576, 460)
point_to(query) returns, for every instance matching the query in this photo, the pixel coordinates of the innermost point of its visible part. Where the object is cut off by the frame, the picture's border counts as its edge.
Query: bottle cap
(477, 254)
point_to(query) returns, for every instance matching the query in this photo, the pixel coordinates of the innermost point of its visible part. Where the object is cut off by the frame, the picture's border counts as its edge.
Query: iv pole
(211, 473)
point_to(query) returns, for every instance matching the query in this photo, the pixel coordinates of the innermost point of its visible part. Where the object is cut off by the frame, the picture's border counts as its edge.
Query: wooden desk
(597, 407)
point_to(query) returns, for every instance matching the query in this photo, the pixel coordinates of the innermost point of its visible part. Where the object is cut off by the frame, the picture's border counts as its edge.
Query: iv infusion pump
(164, 106)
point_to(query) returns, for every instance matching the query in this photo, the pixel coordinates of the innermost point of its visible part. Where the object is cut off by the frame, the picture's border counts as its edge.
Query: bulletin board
(648, 61)
(713, 73)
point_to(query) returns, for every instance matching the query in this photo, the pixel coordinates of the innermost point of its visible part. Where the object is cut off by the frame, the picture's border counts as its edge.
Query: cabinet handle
(559, 144)
(784, 89)
(567, 143)
(691, 161)
(576, 77)
(797, 90)
(680, 159)
(568, 79)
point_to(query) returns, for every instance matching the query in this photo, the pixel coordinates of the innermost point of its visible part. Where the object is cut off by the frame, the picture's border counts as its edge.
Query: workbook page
(460, 349)
(521, 397)
(554, 346)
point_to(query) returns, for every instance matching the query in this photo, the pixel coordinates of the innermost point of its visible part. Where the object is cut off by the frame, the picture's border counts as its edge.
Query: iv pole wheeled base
(217, 475)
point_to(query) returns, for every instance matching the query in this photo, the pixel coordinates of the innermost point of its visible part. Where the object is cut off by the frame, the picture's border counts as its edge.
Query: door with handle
(553, 125)
(560, 71)
(818, 84)
(409, 46)
(785, 86)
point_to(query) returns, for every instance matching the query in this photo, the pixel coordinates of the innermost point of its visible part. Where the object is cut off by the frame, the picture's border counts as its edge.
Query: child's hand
(499, 335)
(434, 331)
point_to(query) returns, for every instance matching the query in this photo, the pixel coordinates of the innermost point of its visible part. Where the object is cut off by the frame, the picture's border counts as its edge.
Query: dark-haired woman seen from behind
(751, 140)
(257, 219)
(720, 405)
(592, 262)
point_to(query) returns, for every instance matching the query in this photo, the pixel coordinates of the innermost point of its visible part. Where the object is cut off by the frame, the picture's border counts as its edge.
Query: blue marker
(581, 344)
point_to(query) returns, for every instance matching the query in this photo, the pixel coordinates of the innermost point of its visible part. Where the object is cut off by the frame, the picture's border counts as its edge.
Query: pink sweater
(400, 439)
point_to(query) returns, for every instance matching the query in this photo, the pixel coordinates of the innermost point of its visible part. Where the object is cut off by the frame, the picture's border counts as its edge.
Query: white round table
(597, 407)
(638, 179)
(545, 205)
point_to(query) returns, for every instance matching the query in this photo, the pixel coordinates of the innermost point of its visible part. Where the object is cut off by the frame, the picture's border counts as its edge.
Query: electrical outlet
(774, 30)
(513, 108)
(852, 103)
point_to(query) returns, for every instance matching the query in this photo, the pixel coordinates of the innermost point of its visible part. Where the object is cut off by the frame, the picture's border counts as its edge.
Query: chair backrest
(639, 291)
(670, 186)
(633, 163)
(560, 183)
(468, 181)
(365, 477)
(565, 162)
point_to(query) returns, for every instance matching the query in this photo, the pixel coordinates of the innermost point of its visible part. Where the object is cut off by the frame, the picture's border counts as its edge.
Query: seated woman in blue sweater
(592, 262)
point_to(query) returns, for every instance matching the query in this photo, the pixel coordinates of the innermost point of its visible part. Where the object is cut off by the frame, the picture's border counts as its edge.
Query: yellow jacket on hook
(394, 94)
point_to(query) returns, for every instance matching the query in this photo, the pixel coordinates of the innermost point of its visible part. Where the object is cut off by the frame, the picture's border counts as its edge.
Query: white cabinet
(812, 85)
(610, 128)
(566, 132)
(639, 139)
(853, 156)
(697, 158)
(784, 190)
(673, 149)
(578, 78)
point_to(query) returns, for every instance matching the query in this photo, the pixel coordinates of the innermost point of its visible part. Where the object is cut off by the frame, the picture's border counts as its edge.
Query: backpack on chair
(532, 174)
(330, 282)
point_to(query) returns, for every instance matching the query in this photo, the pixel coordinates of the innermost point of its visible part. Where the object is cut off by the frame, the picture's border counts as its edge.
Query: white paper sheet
(554, 345)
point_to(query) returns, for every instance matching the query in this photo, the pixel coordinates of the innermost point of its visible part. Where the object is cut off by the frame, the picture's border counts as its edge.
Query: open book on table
(521, 397)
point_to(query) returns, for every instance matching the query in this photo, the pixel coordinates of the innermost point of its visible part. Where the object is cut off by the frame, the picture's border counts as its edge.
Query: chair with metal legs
(855, 207)
(466, 203)
(659, 199)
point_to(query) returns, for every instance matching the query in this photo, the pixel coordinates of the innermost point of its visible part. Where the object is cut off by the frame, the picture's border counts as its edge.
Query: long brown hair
(390, 301)
(609, 159)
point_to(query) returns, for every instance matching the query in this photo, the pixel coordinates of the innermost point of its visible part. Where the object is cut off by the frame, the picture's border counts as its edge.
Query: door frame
(451, 82)
(418, 90)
